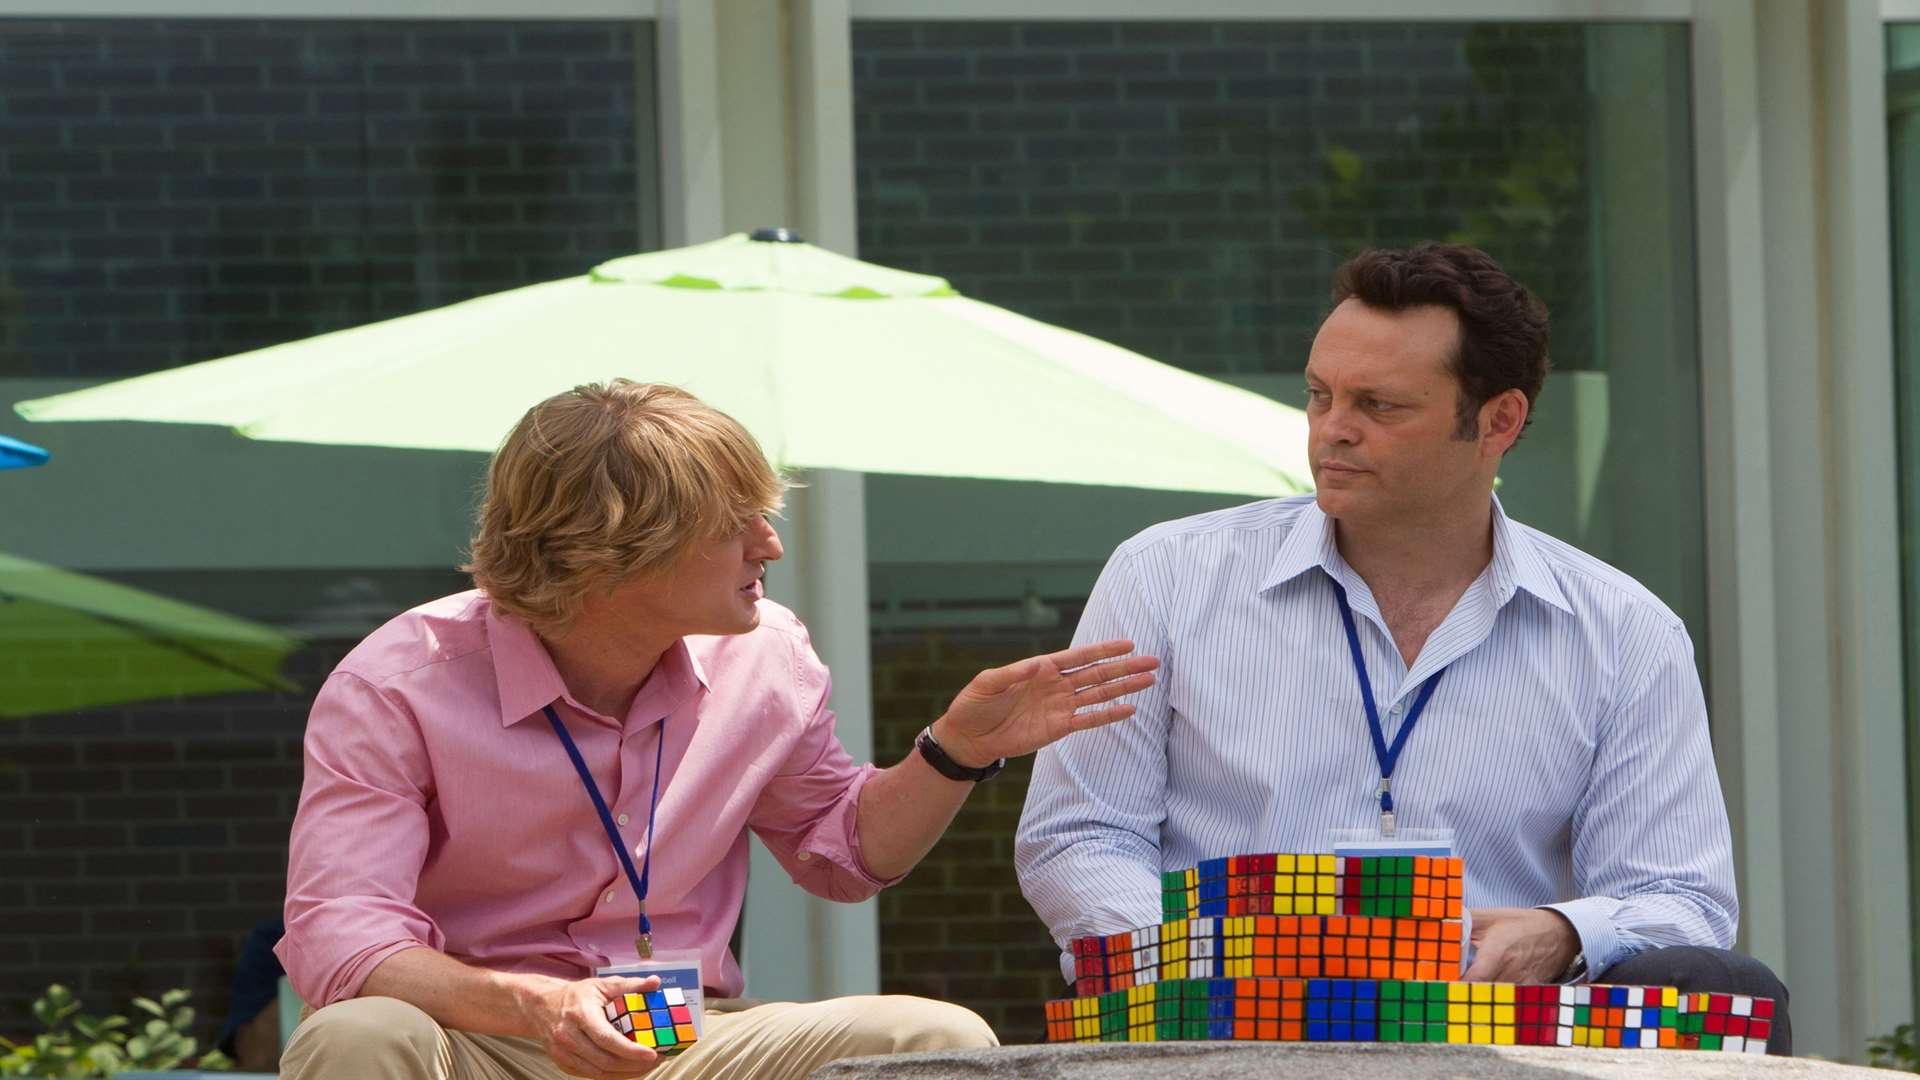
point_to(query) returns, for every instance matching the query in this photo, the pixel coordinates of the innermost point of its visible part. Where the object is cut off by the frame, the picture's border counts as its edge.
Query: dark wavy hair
(1503, 326)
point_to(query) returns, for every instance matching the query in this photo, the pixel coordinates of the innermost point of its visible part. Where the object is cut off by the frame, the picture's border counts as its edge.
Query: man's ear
(1502, 418)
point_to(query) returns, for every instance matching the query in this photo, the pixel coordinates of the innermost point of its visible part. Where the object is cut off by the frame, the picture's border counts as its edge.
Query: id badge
(678, 969)
(1371, 843)
(1435, 843)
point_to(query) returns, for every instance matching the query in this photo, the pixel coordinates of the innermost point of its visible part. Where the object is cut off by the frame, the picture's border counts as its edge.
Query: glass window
(1903, 154)
(181, 189)
(1186, 189)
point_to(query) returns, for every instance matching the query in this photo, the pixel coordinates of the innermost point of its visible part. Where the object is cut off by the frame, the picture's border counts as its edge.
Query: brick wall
(142, 843)
(1186, 189)
(178, 190)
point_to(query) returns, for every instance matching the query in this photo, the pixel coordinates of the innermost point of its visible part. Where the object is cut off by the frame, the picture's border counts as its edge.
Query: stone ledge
(1308, 1061)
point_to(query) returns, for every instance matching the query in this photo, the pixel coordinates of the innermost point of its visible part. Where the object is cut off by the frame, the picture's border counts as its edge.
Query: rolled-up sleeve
(359, 840)
(808, 814)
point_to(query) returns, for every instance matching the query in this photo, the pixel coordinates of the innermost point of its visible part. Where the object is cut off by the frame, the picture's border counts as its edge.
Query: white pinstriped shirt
(1567, 744)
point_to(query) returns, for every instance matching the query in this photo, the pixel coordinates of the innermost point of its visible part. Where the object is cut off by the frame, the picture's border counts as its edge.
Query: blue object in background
(15, 454)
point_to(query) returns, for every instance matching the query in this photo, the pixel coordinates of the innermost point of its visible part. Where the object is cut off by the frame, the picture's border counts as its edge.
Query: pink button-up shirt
(440, 809)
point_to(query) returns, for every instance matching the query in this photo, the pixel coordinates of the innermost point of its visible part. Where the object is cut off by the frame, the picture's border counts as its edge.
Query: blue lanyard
(644, 942)
(1388, 756)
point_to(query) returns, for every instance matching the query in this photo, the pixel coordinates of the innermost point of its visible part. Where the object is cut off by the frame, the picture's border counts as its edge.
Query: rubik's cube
(1728, 1022)
(1320, 948)
(1399, 1011)
(1269, 946)
(1415, 887)
(659, 1020)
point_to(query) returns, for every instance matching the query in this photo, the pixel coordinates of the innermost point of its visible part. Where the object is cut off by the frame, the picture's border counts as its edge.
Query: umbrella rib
(201, 655)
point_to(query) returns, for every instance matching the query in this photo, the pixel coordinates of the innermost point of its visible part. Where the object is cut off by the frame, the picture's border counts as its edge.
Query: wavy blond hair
(605, 481)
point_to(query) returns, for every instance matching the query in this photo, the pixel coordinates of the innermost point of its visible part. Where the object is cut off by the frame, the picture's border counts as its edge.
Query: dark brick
(115, 189)
(62, 162)
(38, 811)
(91, 781)
(116, 133)
(28, 45)
(176, 44)
(157, 105)
(108, 76)
(221, 132)
(132, 864)
(181, 835)
(1075, 91)
(1067, 34)
(275, 103)
(923, 67)
(77, 837)
(25, 76)
(266, 47)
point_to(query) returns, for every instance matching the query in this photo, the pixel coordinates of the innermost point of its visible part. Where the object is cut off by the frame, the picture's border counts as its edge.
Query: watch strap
(936, 756)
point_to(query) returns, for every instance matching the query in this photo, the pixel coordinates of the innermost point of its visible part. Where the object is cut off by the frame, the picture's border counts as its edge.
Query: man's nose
(1336, 423)
(766, 543)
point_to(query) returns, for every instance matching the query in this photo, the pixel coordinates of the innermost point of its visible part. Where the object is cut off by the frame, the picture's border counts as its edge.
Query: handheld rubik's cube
(659, 1020)
(1316, 948)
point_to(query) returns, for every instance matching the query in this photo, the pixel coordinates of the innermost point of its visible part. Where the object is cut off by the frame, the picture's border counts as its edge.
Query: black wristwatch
(930, 749)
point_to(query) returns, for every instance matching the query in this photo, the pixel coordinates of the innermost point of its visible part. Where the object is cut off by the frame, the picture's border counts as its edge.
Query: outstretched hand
(1017, 709)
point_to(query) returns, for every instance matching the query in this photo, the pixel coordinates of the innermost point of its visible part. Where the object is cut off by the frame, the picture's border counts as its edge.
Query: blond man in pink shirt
(452, 887)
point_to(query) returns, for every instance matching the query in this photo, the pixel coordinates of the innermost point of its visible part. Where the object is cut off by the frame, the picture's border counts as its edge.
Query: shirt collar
(1309, 544)
(1516, 564)
(528, 682)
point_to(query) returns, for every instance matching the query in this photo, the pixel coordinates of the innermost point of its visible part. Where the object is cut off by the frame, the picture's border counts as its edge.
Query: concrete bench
(1309, 1061)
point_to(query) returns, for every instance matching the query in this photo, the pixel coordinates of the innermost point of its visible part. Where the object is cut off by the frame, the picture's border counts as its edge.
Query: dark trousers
(1697, 970)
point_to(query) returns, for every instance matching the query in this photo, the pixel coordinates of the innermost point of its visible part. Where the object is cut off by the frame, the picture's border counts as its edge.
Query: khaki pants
(375, 1038)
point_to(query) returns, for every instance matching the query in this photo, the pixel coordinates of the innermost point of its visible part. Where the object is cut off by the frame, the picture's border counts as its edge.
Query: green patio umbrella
(831, 362)
(69, 641)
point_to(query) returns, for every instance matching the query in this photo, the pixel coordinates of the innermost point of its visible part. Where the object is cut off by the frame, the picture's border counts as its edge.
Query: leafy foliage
(76, 1044)
(1895, 1051)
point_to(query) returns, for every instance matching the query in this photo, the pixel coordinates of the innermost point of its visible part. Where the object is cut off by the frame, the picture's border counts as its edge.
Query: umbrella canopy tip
(776, 236)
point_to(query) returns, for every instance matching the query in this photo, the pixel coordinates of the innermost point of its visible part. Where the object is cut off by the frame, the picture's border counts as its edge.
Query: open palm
(1017, 709)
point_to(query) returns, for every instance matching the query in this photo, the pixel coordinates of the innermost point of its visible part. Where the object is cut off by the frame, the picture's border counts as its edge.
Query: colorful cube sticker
(659, 1020)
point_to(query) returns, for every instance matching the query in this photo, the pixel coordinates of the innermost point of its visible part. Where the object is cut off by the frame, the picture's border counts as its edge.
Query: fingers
(1093, 718)
(1107, 691)
(1095, 674)
(628, 984)
(615, 1050)
(1485, 967)
(592, 1043)
(573, 1065)
(1069, 659)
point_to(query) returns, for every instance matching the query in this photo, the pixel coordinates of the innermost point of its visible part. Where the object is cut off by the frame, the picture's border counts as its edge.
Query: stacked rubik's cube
(659, 1020)
(1317, 948)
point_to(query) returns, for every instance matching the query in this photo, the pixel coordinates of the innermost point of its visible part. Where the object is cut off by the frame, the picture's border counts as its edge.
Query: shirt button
(609, 896)
(623, 819)
(804, 856)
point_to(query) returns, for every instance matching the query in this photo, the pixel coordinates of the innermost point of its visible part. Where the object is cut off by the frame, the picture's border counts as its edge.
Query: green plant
(1895, 1051)
(78, 1045)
